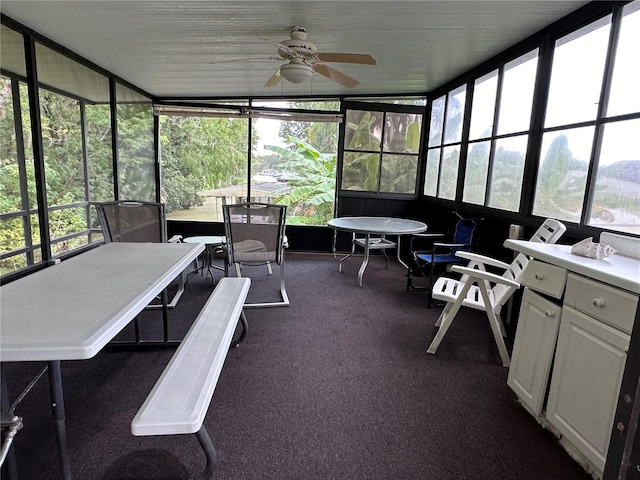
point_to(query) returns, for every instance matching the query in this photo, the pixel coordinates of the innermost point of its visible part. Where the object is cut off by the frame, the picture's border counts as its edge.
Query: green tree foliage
(313, 193)
(200, 153)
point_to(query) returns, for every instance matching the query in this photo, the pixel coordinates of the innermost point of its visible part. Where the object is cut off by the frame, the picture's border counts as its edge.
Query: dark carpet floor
(337, 386)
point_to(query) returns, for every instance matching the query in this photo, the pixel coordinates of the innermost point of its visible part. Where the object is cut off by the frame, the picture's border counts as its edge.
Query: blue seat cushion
(444, 258)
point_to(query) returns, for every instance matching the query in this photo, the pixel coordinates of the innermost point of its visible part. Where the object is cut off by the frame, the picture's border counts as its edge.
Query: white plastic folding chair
(482, 290)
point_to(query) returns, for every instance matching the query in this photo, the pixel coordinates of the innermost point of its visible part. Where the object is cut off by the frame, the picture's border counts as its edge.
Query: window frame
(383, 108)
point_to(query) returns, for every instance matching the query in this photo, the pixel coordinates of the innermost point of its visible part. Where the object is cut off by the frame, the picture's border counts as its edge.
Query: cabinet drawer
(611, 305)
(545, 278)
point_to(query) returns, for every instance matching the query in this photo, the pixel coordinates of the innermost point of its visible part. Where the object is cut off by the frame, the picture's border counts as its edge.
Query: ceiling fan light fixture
(296, 72)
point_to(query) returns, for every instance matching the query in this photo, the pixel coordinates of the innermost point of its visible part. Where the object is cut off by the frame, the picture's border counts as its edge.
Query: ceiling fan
(304, 59)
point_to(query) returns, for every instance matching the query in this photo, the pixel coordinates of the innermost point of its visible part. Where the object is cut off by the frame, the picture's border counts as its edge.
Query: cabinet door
(533, 349)
(585, 383)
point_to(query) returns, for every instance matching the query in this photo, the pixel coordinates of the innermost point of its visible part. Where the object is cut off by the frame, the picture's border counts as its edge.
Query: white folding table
(72, 310)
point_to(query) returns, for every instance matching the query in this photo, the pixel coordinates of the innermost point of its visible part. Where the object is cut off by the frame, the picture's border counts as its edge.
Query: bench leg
(245, 327)
(210, 452)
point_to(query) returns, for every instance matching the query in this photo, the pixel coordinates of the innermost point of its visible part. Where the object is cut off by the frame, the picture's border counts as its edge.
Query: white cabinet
(575, 351)
(586, 378)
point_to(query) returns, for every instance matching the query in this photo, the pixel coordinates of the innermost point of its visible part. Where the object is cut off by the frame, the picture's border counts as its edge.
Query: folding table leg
(58, 415)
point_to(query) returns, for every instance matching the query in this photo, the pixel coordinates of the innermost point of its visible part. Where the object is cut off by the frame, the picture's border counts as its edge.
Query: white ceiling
(170, 48)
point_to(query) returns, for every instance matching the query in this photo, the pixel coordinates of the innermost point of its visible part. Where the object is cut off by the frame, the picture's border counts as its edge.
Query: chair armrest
(423, 240)
(473, 273)
(175, 239)
(451, 245)
(428, 235)
(477, 258)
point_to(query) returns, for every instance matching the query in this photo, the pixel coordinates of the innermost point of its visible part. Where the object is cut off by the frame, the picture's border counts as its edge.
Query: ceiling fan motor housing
(298, 44)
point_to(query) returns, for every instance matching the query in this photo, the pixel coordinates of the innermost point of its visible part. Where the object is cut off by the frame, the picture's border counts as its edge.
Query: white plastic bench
(180, 398)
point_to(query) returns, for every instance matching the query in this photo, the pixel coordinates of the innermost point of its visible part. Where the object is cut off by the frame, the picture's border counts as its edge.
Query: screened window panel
(576, 75)
(363, 130)
(616, 200)
(99, 152)
(12, 237)
(68, 229)
(294, 164)
(12, 51)
(9, 168)
(562, 173)
(200, 174)
(62, 147)
(431, 175)
(625, 93)
(437, 122)
(516, 96)
(454, 115)
(398, 173)
(377, 159)
(61, 73)
(417, 101)
(449, 172)
(483, 106)
(28, 152)
(35, 229)
(506, 173)
(136, 153)
(402, 132)
(360, 171)
(64, 246)
(475, 179)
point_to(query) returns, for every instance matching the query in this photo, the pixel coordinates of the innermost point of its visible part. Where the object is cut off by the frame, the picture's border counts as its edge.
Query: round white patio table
(210, 242)
(379, 227)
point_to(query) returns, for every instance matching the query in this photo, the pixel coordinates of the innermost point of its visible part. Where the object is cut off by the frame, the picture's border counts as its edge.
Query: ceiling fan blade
(335, 75)
(347, 58)
(248, 59)
(274, 80)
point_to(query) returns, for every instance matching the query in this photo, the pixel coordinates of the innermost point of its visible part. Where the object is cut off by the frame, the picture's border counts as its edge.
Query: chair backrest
(132, 221)
(502, 293)
(549, 232)
(465, 231)
(255, 231)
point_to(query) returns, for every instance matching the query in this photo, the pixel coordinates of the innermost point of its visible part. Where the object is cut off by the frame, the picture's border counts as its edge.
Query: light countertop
(617, 270)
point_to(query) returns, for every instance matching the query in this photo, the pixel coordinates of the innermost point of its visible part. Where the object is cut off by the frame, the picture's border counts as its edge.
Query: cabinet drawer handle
(549, 313)
(598, 302)
(539, 276)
